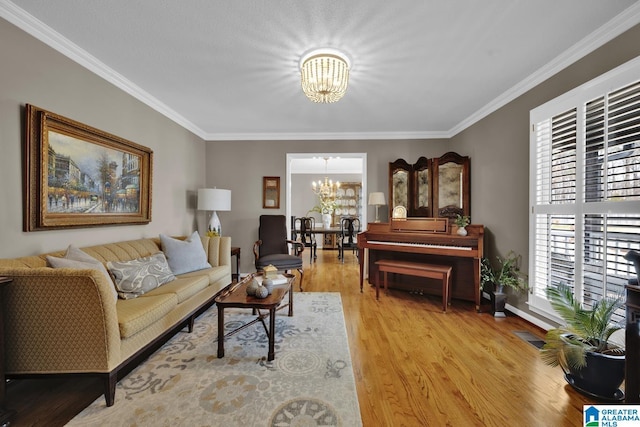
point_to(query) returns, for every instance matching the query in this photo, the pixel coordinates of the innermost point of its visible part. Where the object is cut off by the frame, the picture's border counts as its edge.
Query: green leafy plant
(585, 330)
(506, 274)
(324, 206)
(462, 220)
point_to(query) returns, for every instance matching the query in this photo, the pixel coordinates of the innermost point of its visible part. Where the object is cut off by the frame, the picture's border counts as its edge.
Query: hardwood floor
(414, 365)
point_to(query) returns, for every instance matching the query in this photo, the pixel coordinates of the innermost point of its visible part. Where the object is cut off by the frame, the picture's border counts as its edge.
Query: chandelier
(325, 75)
(325, 190)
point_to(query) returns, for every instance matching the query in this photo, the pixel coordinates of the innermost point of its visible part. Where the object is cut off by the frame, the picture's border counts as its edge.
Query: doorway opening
(304, 168)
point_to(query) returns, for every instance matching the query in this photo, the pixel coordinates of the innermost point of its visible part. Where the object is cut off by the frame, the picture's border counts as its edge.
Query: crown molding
(318, 136)
(616, 26)
(58, 42)
(36, 28)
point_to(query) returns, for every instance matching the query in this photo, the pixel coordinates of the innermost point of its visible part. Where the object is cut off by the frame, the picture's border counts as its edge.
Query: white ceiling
(228, 70)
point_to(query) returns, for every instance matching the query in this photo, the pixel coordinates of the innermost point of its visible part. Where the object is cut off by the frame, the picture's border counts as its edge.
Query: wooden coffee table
(236, 297)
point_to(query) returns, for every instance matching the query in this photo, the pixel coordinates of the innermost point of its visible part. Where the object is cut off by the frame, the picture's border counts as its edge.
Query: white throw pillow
(139, 276)
(184, 256)
(76, 258)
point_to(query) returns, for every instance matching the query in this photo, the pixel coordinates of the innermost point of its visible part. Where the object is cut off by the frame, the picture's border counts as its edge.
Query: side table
(6, 416)
(235, 251)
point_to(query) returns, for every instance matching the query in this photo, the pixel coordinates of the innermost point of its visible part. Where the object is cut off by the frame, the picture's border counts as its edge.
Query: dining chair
(349, 229)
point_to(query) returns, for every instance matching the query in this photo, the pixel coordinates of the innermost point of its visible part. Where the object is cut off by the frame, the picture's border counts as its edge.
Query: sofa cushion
(183, 287)
(76, 258)
(214, 274)
(186, 255)
(139, 276)
(134, 315)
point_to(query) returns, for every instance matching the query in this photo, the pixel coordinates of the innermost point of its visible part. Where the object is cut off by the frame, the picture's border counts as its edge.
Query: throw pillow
(76, 258)
(184, 256)
(139, 276)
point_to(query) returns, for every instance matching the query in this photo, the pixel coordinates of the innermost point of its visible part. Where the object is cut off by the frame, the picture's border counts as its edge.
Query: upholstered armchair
(273, 247)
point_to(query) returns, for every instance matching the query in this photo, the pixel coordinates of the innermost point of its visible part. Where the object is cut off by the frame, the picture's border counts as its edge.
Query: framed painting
(79, 176)
(271, 192)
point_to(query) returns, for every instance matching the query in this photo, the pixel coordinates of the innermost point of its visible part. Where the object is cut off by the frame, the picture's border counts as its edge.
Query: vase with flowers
(325, 207)
(462, 221)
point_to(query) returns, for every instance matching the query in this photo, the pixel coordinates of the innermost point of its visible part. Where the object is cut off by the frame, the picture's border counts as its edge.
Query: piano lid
(420, 224)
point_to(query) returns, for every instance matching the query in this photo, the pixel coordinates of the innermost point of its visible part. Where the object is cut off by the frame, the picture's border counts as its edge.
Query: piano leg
(476, 280)
(361, 262)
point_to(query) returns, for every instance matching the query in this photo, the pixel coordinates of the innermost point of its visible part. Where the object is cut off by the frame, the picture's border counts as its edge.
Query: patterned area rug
(310, 382)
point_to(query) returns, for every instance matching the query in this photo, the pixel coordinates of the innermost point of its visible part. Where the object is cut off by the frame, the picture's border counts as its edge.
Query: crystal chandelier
(325, 75)
(325, 190)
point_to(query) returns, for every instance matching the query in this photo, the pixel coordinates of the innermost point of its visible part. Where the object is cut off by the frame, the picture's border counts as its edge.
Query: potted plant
(461, 221)
(507, 274)
(591, 362)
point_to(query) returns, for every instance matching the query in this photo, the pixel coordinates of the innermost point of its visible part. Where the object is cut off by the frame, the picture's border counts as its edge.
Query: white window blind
(585, 189)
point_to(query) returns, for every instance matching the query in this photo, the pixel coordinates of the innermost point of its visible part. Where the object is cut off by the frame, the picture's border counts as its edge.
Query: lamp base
(214, 223)
(377, 218)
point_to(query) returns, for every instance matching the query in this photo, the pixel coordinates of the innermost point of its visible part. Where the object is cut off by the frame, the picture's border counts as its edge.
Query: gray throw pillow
(76, 258)
(184, 256)
(139, 276)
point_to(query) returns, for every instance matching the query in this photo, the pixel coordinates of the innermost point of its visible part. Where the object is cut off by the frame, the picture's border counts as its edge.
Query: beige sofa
(66, 321)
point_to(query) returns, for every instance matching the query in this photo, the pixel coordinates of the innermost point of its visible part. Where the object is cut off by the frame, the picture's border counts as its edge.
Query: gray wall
(35, 74)
(230, 166)
(499, 150)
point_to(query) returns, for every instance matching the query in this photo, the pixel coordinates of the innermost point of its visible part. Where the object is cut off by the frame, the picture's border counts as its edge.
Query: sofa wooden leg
(192, 321)
(110, 381)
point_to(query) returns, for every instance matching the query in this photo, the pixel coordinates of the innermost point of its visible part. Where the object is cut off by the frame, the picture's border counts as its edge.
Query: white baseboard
(526, 316)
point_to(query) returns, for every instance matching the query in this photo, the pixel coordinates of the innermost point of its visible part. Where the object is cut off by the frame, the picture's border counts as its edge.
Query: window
(585, 189)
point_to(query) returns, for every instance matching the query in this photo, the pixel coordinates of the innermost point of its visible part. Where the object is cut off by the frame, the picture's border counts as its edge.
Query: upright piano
(427, 240)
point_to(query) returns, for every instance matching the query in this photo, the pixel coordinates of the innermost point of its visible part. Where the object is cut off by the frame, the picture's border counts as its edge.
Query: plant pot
(462, 231)
(601, 378)
(498, 302)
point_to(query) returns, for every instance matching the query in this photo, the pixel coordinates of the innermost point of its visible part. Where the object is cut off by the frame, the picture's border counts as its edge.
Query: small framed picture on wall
(271, 192)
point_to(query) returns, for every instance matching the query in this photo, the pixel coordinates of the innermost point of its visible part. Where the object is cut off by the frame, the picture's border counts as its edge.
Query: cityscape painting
(80, 177)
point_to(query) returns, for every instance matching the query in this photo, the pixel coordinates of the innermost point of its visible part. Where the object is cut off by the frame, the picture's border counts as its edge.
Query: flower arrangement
(212, 233)
(462, 220)
(324, 206)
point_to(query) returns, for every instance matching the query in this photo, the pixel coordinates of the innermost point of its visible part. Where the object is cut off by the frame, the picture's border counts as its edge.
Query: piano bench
(430, 271)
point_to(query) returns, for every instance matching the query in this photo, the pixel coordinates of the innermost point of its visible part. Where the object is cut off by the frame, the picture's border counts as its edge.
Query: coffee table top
(236, 295)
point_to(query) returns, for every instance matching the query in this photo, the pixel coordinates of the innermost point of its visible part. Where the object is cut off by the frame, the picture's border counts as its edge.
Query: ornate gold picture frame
(79, 176)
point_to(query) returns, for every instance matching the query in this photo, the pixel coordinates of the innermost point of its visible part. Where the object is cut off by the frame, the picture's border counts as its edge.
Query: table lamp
(214, 199)
(377, 199)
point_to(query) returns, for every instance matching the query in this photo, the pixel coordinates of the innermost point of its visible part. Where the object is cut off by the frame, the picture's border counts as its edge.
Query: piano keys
(423, 240)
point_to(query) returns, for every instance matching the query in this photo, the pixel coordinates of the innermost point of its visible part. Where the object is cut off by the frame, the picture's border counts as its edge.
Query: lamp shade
(377, 199)
(214, 199)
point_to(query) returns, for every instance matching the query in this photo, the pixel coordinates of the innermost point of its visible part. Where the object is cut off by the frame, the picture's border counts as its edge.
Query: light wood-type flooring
(414, 365)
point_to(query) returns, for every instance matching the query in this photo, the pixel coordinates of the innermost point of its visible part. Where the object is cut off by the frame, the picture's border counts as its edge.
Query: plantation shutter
(585, 194)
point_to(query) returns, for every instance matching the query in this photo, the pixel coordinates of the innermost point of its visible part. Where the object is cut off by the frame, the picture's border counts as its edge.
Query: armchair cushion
(281, 261)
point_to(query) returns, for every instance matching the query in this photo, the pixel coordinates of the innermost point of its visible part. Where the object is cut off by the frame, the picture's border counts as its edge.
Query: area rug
(309, 383)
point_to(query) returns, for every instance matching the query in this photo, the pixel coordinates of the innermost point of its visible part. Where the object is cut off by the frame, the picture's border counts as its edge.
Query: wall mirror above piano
(437, 187)
(399, 184)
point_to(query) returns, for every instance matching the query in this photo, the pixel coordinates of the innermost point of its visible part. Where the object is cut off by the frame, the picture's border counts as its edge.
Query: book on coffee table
(279, 280)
